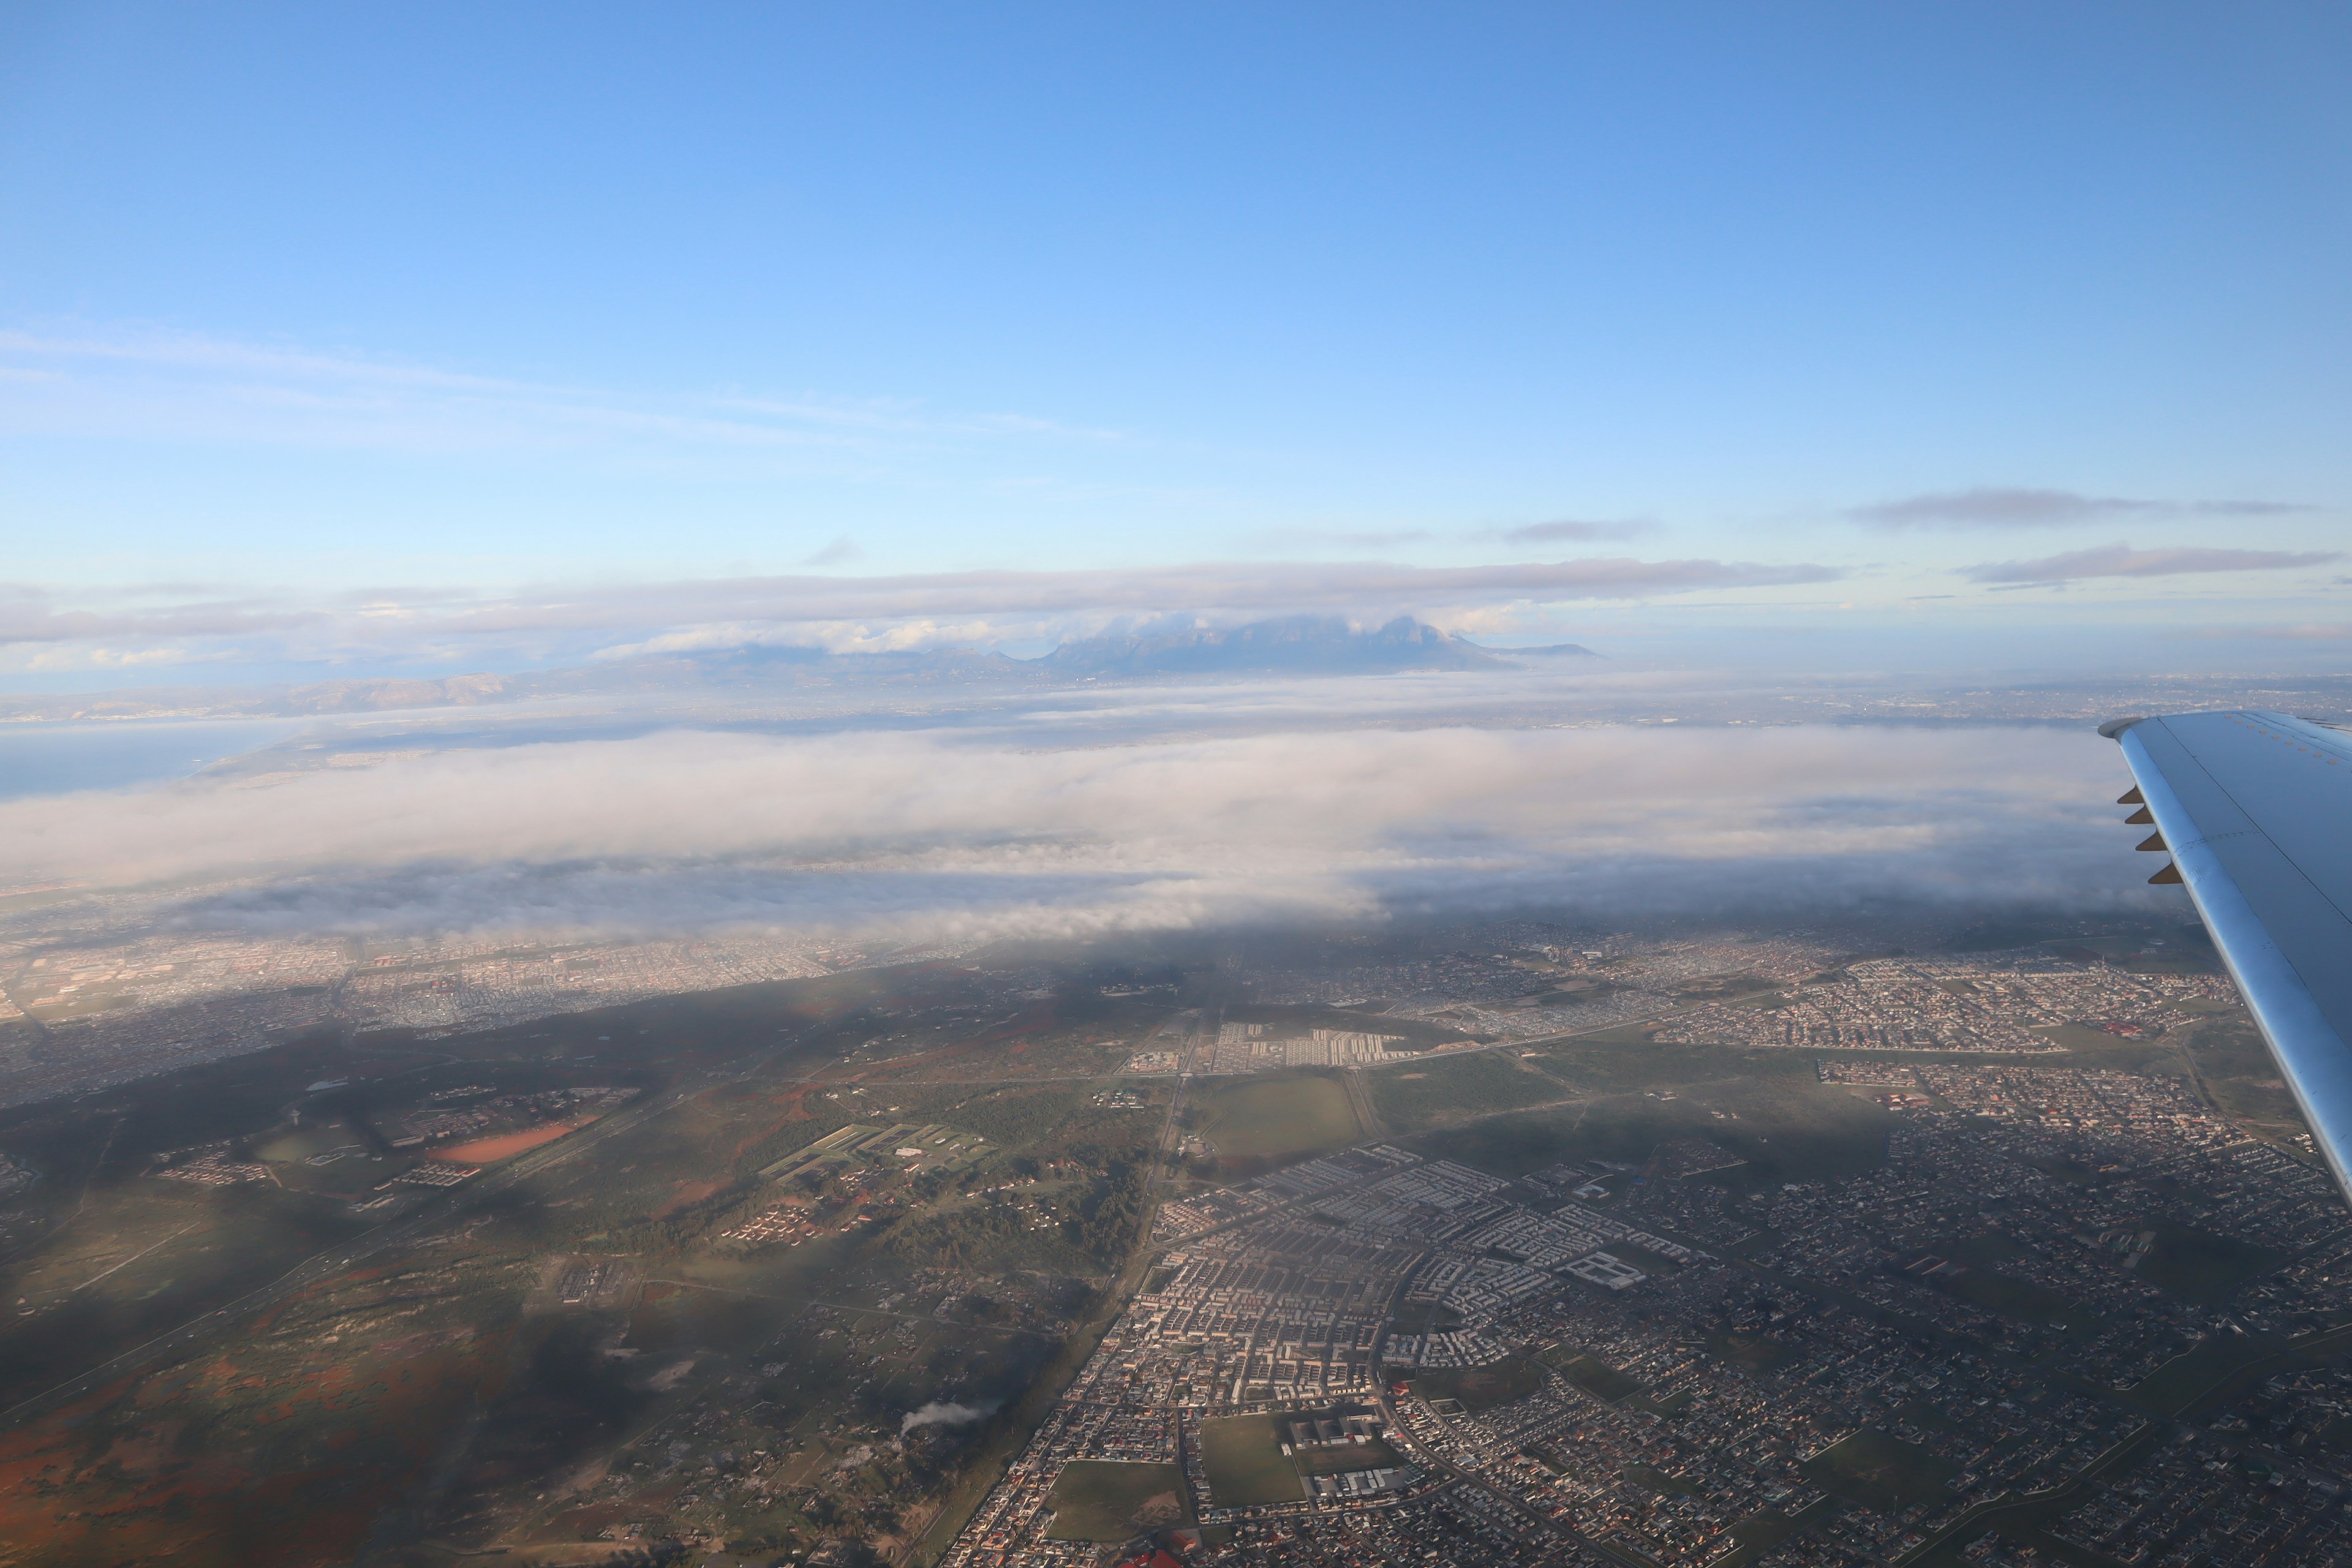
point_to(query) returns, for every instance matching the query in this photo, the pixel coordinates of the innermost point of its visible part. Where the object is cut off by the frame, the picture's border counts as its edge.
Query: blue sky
(325, 329)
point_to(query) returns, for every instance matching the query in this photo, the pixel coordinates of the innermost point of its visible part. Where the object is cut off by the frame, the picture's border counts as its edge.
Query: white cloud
(182, 385)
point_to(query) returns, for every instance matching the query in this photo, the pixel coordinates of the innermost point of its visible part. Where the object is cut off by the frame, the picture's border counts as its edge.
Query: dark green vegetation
(1098, 1499)
(1880, 1472)
(593, 1331)
(2141, 944)
(1481, 1387)
(1245, 1462)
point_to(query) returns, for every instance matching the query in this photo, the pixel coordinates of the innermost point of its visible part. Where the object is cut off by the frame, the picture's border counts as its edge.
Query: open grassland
(1104, 1499)
(2236, 1070)
(1434, 1092)
(1277, 1117)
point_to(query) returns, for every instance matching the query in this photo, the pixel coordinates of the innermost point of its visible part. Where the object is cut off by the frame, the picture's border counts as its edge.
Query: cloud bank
(396, 623)
(2120, 560)
(2016, 507)
(927, 835)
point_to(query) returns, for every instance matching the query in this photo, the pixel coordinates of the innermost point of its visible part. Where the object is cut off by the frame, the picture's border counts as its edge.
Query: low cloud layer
(926, 836)
(2120, 560)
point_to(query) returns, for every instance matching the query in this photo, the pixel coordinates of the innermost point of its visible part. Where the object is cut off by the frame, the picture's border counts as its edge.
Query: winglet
(2114, 728)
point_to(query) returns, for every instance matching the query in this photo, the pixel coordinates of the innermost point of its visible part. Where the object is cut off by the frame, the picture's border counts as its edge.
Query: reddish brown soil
(504, 1146)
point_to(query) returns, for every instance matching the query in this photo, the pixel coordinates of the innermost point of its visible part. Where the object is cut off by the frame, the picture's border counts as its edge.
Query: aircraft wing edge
(2311, 1055)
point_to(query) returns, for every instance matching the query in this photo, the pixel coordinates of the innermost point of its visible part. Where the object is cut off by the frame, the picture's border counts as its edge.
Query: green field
(1481, 1387)
(1787, 1129)
(1880, 1472)
(1277, 1117)
(302, 1142)
(1245, 1462)
(1105, 1499)
(1434, 1092)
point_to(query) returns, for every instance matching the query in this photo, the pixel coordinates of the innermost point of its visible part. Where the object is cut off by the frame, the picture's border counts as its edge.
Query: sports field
(504, 1146)
(1245, 1462)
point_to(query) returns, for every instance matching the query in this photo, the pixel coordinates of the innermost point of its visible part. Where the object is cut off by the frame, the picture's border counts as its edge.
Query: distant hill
(1308, 644)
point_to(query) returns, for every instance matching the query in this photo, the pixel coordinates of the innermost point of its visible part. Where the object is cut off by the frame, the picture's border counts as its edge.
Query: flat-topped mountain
(1292, 642)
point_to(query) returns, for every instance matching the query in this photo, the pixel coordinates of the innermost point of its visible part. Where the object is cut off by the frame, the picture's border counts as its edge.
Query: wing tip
(2114, 728)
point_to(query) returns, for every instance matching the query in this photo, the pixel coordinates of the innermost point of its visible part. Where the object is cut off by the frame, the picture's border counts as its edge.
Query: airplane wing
(2256, 810)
